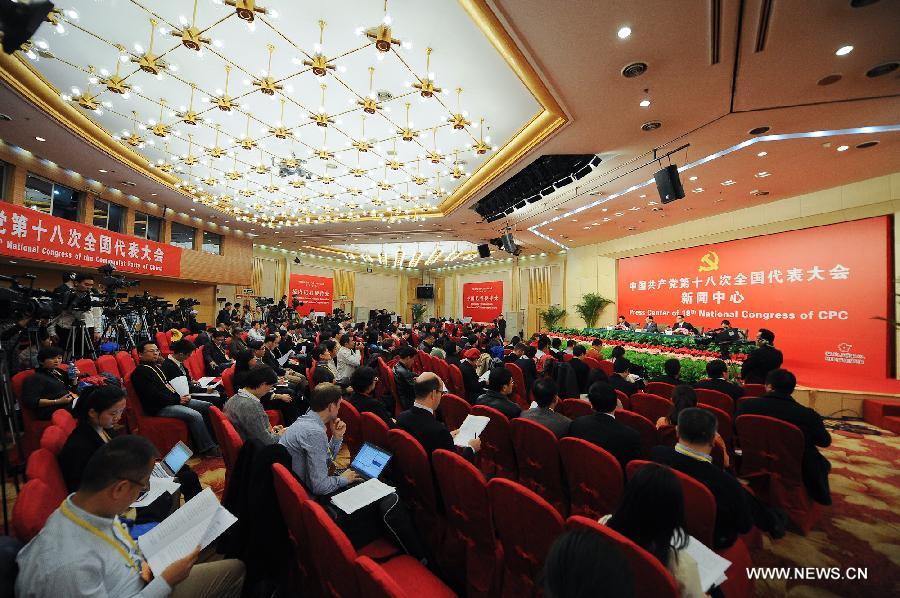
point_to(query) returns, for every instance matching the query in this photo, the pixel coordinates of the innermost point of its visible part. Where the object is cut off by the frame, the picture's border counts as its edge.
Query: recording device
(425, 291)
(18, 301)
(506, 242)
(115, 281)
(19, 21)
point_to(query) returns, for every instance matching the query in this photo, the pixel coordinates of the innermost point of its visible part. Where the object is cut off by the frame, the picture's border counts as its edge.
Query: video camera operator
(76, 326)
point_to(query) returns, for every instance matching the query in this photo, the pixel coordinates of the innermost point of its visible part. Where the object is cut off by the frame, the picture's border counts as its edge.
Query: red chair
(567, 357)
(415, 484)
(53, 439)
(162, 341)
(350, 416)
(107, 364)
(373, 429)
(42, 465)
(725, 426)
(661, 389)
(374, 582)
(470, 526)
(86, 366)
(195, 364)
(650, 406)
(537, 458)
(455, 410)
(594, 477)
(163, 432)
(591, 363)
(334, 557)
(772, 461)
(64, 420)
(34, 505)
(386, 381)
(520, 393)
(607, 367)
(667, 435)
(228, 439)
(706, 396)
(754, 390)
(291, 496)
(497, 456)
(527, 525)
(32, 427)
(574, 408)
(126, 363)
(649, 576)
(455, 384)
(623, 398)
(644, 426)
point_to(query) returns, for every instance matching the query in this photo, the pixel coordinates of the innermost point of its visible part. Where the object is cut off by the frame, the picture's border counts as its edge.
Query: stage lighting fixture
(484, 250)
(533, 198)
(19, 21)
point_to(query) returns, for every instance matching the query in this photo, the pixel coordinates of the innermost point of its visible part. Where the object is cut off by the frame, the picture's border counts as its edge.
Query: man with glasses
(420, 421)
(84, 550)
(362, 383)
(500, 389)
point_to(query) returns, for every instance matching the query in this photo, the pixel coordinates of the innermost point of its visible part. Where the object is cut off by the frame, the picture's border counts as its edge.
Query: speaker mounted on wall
(484, 250)
(668, 184)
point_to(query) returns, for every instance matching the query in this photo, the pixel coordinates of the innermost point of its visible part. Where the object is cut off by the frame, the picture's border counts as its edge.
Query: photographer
(50, 388)
(77, 317)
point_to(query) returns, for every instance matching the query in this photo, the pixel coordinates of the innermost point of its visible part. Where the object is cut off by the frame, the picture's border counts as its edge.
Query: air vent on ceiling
(635, 69)
(128, 183)
(882, 69)
(651, 125)
(829, 79)
(762, 28)
(384, 95)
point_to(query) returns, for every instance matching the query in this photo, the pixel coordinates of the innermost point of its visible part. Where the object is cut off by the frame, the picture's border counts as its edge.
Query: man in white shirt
(256, 332)
(348, 356)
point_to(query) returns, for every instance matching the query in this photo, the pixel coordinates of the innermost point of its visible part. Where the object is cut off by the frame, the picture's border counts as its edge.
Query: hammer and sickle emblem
(709, 262)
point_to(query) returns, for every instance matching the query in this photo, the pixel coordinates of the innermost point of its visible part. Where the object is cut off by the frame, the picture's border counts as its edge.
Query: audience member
(49, 388)
(214, 355)
(620, 378)
(420, 421)
(761, 360)
(671, 369)
(245, 411)
(602, 428)
(595, 352)
(363, 382)
(581, 563)
(404, 378)
(349, 357)
(468, 367)
(684, 397)
(545, 395)
(527, 364)
(500, 389)
(581, 369)
(716, 370)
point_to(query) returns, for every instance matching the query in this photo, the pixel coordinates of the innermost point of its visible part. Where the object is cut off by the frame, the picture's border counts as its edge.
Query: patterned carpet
(861, 528)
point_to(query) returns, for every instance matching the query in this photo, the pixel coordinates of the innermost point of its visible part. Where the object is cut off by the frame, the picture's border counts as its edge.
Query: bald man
(421, 423)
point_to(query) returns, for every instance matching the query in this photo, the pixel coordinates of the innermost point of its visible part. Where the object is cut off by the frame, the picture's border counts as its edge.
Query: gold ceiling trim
(545, 122)
(22, 78)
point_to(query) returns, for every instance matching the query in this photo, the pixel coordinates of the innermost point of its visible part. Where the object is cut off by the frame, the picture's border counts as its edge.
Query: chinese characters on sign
(482, 301)
(34, 235)
(315, 292)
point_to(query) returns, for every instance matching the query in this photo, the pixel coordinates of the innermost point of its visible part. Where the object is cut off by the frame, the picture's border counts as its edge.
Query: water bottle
(73, 374)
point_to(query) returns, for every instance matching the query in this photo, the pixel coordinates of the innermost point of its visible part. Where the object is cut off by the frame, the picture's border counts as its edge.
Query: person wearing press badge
(312, 460)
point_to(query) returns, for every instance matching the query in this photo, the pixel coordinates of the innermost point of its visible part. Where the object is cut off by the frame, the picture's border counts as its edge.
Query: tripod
(8, 425)
(78, 345)
(116, 327)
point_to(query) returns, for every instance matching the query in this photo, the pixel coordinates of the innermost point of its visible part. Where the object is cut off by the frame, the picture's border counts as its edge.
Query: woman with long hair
(651, 515)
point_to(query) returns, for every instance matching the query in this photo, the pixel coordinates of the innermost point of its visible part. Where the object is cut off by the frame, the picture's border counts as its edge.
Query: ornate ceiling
(283, 116)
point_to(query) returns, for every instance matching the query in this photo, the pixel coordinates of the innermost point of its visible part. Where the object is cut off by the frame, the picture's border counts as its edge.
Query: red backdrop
(34, 235)
(820, 290)
(482, 301)
(314, 291)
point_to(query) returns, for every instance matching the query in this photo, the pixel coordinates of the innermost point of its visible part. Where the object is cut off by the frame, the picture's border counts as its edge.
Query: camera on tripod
(114, 281)
(18, 301)
(264, 301)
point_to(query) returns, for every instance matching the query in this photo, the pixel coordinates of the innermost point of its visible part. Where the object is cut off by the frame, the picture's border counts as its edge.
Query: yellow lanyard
(64, 509)
(162, 378)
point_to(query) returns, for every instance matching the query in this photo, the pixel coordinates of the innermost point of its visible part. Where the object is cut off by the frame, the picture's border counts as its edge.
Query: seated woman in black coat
(98, 410)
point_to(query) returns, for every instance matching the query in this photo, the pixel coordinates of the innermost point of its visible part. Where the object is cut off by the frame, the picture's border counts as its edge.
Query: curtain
(539, 286)
(344, 284)
(280, 279)
(256, 276)
(438, 297)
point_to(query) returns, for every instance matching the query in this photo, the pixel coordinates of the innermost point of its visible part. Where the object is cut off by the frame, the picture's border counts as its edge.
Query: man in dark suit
(650, 325)
(527, 365)
(716, 369)
(214, 354)
(581, 369)
(603, 429)
(779, 403)
(761, 360)
(619, 379)
(470, 376)
(500, 388)
(224, 316)
(173, 367)
(672, 369)
(420, 422)
(547, 398)
(363, 381)
(682, 327)
(404, 378)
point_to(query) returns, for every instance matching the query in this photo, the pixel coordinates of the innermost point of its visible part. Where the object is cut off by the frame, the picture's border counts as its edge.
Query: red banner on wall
(314, 291)
(823, 291)
(34, 235)
(483, 301)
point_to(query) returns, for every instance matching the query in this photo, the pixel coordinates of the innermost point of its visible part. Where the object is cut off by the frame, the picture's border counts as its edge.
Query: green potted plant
(590, 307)
(418, 312)
(552, 315)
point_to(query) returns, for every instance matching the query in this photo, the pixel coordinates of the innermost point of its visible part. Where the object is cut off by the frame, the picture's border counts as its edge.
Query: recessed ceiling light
(644, 103)
(574, 219)
(843, 50)
(698, 190)
(762, 154)
(693, 178)
(843, 148)
(762, 174)
(586, 227)
(624, 32)
(103, 171)
(153, 194)
(40, 139)
(643, 196)
(728, 183)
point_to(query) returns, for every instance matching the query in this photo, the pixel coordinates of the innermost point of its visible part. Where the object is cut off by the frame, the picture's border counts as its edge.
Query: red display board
(314, 291)
(34, 235)
(821, 291)
(483, 301)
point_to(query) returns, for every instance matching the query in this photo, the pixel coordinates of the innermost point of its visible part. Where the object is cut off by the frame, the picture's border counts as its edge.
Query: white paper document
(361, 495)
(484, 376)
(205, 396)
(712, 567)
(157, 487)
(471, 427)
(181, 386)
(206, 381)
(200, 521)
(284, 358)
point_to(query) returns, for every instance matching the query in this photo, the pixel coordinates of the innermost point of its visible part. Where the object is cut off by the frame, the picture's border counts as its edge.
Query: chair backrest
(291, 496)
(607, 367)
(64, 420)
(537, 458)
(497, 455)
(574, 408)
(520, 393)
(650, 406)
(53, 439)
(86, 366)
(125, 362)
(594, 477)
(373, 429)
(624, 399)
(527, 525)
(770, 447)
(350, 416)
(456, 380)
(754, 390)
(35, 502)
(567, 357)
(227, 437)
(706, 396)
(591, 362)
(455, 409)
(228, 381)
(725, 425)
(333, 554)
(414, 480)
(699, 504)
(195, 364)
(374, 582)
(441, 369)
(42, 465)
(134, 403)
(162, 341)
(107, 364)
(643, 426)
(661, 389)
(18, 381)
(649, 576)
(464, 491)
(667, 435)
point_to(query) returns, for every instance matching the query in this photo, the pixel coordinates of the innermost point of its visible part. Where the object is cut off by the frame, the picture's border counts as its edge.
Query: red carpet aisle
(861, 529)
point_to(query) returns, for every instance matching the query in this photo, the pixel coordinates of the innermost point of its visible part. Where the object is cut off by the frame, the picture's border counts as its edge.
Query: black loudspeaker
(484, 250)
(668, 184)
(509, 244)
